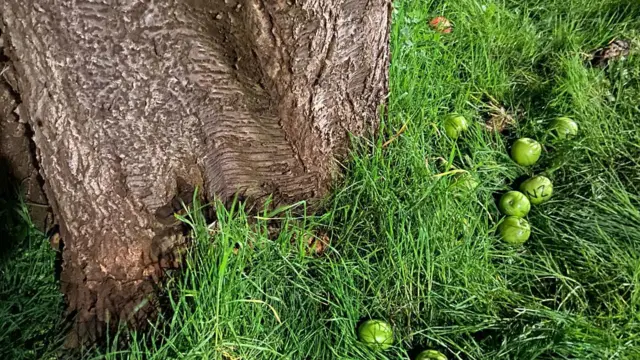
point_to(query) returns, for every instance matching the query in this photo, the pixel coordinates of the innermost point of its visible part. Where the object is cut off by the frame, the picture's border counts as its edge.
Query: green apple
(526, 152)
(455, 125)
(464, 183)
(564, 127)
(538, 189)
(515, 231)
(376, 334)
(431, 355)
(514, 203)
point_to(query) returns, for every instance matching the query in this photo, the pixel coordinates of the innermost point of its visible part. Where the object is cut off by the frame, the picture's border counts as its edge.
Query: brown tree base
(18, 167)
(132, 102)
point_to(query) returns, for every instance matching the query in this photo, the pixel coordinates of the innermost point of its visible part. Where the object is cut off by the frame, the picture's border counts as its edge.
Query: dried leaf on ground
(498, 117)
(317, 244)
(441, 24)
(615, 50)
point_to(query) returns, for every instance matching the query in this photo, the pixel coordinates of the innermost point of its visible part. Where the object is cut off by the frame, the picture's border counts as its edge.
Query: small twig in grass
(435, 127)
(450, 172)
(29, 203)
(443, 162)
(498, 117)
(397, 135)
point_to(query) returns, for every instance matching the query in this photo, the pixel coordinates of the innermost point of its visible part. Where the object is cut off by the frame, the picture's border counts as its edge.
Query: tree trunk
(17, 165)
(134, 102)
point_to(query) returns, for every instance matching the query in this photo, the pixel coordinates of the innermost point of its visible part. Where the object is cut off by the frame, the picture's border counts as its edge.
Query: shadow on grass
(30, 302)
(13, 227)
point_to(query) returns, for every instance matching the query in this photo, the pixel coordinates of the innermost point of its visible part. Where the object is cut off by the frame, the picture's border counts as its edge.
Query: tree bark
(133, 102)
(18, 167)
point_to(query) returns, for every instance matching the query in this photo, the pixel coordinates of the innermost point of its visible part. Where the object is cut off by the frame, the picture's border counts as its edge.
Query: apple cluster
(515, 205)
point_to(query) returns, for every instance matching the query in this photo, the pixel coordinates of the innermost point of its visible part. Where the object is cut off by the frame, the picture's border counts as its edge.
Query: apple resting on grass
(376, 334)
(455, 125)
(538, 189)
(514, 203)
(431, 355)
(564, 127)
(464, 183)
(514, 231)
(526, 152)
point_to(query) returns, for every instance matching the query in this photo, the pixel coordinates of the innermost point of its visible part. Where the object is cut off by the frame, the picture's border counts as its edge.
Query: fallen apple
(526, 152)
(431, 355)
(538, 189)
(514, 203)
(564, 127)
(455, 125)
(441, 24)
(464, 183)
(376, 334)
(514, 231)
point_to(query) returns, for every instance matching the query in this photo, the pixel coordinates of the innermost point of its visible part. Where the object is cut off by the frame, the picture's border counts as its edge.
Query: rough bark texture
(132, 102)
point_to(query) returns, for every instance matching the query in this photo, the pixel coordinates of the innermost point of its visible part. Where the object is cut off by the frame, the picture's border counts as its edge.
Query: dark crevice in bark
(18, 151)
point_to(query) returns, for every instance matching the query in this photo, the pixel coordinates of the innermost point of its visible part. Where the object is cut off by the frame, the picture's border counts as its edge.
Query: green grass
(30, 303)
(411, 247)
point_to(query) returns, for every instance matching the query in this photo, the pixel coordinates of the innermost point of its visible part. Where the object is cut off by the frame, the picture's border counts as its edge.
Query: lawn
(408, 244)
